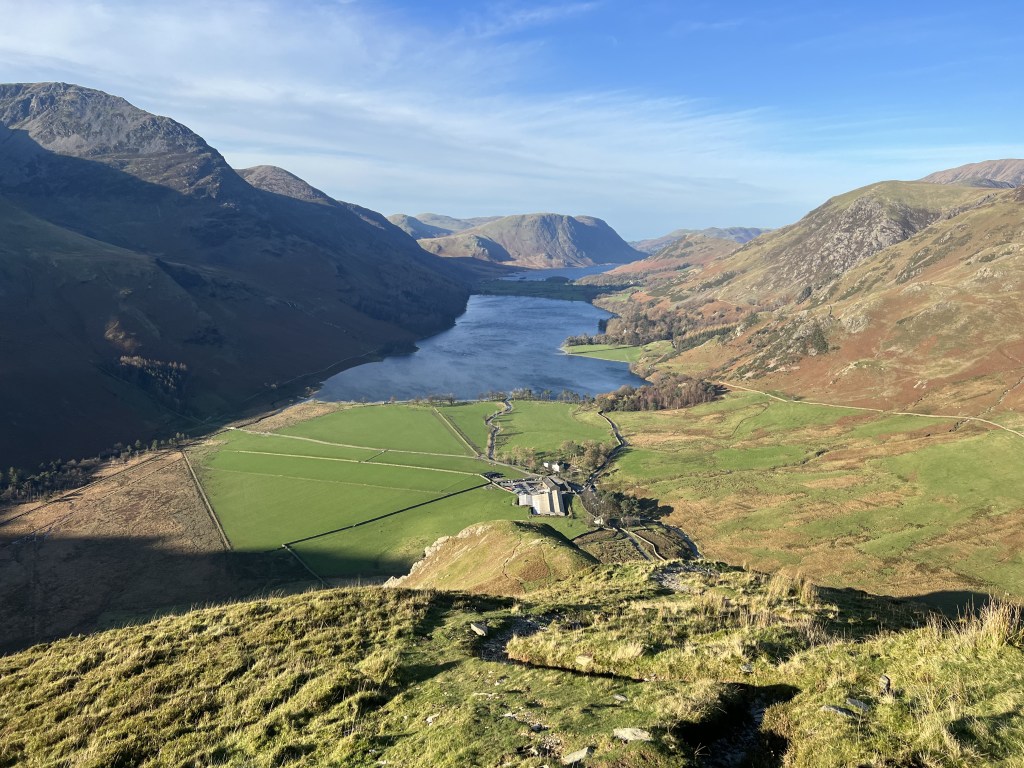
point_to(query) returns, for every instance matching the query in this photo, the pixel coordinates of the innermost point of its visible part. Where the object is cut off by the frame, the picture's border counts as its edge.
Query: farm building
(545, 495)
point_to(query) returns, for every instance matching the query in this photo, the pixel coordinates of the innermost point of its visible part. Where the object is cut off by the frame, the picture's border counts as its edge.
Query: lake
(500, 343)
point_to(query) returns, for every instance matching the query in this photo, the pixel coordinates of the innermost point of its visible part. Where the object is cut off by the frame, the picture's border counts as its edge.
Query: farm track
(944, 417)
(651, 544)
(494, 429)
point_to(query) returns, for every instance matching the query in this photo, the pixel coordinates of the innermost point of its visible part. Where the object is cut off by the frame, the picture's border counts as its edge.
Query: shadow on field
(53, 586)
(953, 603)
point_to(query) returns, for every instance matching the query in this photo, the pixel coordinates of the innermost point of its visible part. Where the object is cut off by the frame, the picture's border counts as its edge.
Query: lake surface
(500, 343)
(573, 273)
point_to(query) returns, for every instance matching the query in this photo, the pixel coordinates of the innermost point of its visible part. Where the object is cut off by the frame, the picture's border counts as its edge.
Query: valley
(498, 490)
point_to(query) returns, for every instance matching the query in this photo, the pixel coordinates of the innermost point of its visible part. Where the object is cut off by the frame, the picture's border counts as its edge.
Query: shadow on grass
(53, 586)
(732, 735)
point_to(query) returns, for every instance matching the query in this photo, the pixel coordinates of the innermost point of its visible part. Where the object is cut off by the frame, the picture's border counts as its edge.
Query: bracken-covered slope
(540, 240)
(146, 283)
(901, 294)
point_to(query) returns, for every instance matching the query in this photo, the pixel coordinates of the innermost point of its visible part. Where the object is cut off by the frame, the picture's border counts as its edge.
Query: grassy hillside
(892, 504)
(709, 663)
(144, 293)
(898, 295)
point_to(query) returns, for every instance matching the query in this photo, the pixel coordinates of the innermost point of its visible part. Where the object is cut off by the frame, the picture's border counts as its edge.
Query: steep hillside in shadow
(147, 284)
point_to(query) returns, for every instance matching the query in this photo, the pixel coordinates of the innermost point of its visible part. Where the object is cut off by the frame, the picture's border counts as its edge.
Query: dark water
(573, 273)
(500, 343)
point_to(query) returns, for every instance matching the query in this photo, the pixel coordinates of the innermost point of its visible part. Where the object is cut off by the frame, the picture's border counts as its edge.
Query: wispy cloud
(506, 18)
(373, 109)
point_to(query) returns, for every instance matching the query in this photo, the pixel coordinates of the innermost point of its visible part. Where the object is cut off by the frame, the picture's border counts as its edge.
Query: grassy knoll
(543, 426)
(366, 677)
(894, 504)
(390, 546)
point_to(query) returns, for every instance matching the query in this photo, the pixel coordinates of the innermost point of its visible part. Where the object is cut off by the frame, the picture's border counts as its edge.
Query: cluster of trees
(669, 392)
(58, 476)
(526, 393)
(582, 458)
(166, 379)
(620, 509)
(643, 323)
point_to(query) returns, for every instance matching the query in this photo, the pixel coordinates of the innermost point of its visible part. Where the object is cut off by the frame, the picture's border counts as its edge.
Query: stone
(884, 685)
(537, 728)
(847, 713)
(857, 704)
(578, 756)
(619, 697)
(632, 734)
(747, 669)
(430, 719)
(479, 628)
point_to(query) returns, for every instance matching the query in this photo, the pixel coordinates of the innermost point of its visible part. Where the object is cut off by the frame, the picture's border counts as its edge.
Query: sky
(650, 114)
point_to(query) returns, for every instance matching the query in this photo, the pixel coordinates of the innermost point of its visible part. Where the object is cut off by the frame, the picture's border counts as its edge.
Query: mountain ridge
(538, 241)
(200, 267)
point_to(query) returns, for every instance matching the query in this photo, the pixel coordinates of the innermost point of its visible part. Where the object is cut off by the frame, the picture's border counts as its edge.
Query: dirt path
(492, 435)
(944, 417)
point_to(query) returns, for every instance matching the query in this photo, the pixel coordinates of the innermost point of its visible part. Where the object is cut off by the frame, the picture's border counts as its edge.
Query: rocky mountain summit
(537, 241)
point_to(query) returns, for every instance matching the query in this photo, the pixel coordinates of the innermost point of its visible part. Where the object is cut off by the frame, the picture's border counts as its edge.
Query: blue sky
(650, 114)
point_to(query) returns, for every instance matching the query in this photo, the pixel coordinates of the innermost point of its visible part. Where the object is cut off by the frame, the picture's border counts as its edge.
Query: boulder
(578, 756)
(632, 734)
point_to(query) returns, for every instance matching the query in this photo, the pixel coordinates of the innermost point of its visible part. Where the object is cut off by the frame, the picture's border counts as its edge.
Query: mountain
(415, 228)
(452, 224)
(538, 240)
(897, 295)
(736, 234)
(467, 246)
(692, 251)
(147, 285)
(991, 173)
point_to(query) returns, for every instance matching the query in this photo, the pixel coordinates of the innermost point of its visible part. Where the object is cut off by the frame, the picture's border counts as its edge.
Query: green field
(891, 504)
(620, 353)
(471, 419)
(543, 426)
(363, 490)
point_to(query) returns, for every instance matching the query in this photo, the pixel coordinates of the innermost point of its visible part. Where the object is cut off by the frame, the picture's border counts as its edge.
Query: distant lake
(500, 343)
(573, 273)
